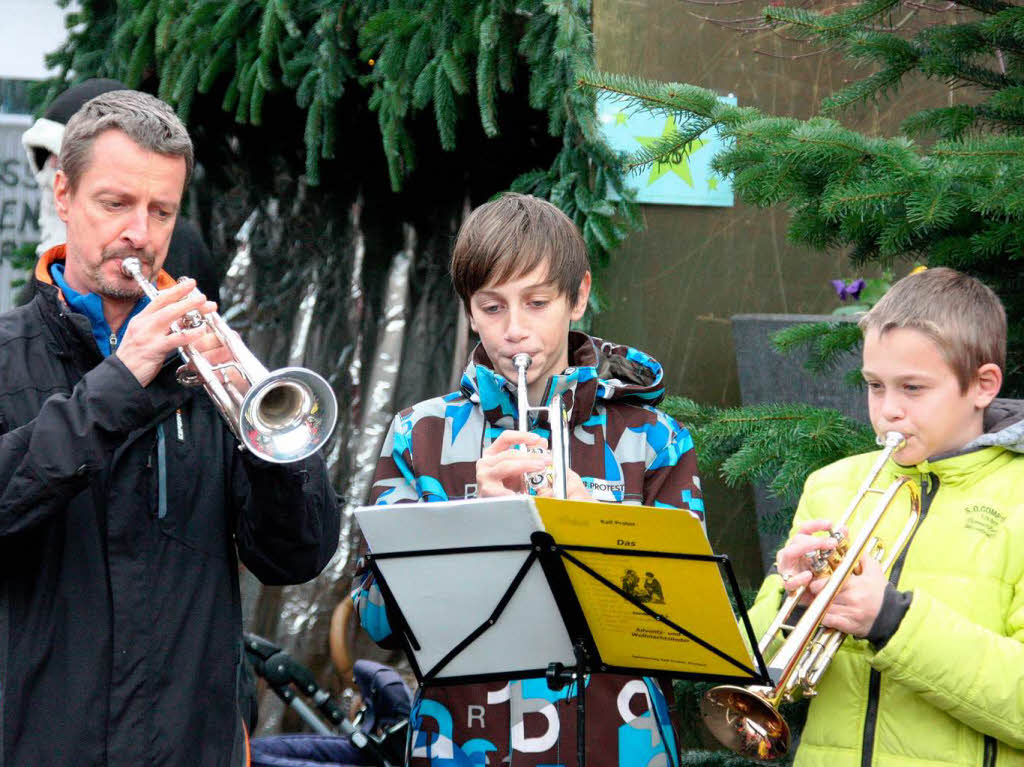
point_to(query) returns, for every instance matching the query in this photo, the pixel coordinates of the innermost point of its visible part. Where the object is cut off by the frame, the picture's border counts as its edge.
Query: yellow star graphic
(678, 164)
(713, 183)
(621, 118)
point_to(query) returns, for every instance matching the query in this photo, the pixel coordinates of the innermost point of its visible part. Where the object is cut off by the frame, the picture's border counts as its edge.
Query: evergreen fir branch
(418, 52)
(857, 198)
(777, 443)
(979, 149)
(827, 28)
(960, 71)
(454, 73)
(987, 7)
(444, 109)
(140, 59)
(271, 28)
(932, 205)
(486, 75)
(1005, 28)
(946, 122)
(997, 240)
(689, 101)
(898, 238)
(666, 149)
(423, 88)
(867, 89)
(185, 90)
(827, 344)
(227, 22)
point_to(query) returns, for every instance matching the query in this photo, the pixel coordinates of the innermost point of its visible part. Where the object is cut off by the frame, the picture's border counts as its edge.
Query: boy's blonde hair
(961, 315)
(511, 236)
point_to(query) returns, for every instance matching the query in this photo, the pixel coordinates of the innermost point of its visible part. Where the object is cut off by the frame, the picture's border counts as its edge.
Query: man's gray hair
(145, 119)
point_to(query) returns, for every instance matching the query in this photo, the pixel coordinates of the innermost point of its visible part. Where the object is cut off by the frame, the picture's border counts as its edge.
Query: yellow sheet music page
(690, 593)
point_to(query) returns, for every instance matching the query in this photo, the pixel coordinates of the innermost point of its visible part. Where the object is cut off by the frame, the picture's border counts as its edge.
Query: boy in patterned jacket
(521, 269)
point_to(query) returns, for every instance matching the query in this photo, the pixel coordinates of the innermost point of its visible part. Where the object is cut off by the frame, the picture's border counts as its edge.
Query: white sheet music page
(445, 596)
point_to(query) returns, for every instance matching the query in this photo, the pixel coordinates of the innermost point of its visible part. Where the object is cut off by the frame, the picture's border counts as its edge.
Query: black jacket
(121, 512)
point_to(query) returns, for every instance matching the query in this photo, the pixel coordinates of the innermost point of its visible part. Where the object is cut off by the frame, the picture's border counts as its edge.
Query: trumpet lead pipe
(522, 363)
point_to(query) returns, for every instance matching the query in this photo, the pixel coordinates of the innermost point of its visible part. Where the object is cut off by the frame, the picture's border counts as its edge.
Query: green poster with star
(687, 178)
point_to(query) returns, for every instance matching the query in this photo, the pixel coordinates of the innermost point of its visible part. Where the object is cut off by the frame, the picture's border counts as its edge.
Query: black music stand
(532, 572)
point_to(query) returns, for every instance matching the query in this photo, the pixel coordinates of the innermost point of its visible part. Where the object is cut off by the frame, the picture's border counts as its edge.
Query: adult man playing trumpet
(124, 501)
(520, 268)
(933, 670)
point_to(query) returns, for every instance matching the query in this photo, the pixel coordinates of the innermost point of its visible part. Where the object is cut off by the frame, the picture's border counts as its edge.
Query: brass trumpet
(280, 416)
(554, 476)
(747, 719)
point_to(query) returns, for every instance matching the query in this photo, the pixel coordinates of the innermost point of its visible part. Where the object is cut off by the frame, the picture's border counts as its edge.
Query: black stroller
(377, 736)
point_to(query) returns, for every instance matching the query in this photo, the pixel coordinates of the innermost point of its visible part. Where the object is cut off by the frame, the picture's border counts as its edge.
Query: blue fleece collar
(91, 305)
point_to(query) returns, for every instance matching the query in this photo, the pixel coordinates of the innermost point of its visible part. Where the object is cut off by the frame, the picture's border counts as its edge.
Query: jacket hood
(599, 370)
(1004, 426)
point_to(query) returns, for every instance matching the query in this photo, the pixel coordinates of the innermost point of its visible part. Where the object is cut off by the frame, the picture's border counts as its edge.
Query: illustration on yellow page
(662, 559)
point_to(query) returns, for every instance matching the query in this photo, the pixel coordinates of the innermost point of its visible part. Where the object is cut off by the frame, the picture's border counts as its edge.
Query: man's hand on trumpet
(216, 353)
(856, 606)
(148, 339)
(503, 465)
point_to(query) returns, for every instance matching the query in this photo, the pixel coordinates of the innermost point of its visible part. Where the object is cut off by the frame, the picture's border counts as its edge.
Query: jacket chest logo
(983, 519)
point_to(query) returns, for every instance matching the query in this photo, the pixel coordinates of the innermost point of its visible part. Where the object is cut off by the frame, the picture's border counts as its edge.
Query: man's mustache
(145, 258)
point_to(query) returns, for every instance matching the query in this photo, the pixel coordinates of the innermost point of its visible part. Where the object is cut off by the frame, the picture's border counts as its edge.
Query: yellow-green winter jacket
(948, 686)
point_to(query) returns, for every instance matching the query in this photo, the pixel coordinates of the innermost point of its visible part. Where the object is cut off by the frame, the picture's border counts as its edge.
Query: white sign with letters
(19, 202)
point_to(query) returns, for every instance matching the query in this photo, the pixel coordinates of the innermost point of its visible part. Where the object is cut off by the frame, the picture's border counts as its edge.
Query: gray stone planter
(767, 376)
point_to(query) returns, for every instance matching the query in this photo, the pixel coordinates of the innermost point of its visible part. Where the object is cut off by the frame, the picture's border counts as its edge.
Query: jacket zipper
(991, 747)
(161, 472)
(875, 681)
(113, 342)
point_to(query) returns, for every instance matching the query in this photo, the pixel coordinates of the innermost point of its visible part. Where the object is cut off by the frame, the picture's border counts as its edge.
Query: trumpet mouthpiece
(891, 439)
(130, 266)
(522, 360)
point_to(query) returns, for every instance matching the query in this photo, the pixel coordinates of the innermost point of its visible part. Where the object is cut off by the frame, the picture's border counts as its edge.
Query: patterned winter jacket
(626, 451)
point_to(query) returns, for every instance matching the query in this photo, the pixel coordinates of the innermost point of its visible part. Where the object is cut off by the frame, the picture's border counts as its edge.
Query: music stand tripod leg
(558, 677)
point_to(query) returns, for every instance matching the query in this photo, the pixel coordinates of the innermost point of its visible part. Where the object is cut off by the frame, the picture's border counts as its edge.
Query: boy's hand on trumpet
(856, 606)
(501, 466)
(575, 490)
(793, 561)
(859, 601)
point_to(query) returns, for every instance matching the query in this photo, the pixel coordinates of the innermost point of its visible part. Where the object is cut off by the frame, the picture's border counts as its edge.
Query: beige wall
(672, 288)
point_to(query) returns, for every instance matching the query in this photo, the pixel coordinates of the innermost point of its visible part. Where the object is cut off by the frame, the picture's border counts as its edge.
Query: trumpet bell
(288, 415)
(744, 721)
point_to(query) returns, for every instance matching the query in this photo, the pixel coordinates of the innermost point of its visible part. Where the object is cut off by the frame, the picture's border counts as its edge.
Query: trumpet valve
(820, 562)
(539, 480)
(192, 319)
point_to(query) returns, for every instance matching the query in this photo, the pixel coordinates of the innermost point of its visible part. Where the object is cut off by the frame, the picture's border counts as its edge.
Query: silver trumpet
(556, 475)
(281, 416)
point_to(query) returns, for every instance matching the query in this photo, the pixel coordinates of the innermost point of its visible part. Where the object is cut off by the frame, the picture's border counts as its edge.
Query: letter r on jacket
(474, 713)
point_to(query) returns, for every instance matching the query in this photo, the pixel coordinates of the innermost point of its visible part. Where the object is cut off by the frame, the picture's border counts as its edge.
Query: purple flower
(847, 290)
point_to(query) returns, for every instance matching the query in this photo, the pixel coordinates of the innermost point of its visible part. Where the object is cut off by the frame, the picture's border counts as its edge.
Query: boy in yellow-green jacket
(933, 672)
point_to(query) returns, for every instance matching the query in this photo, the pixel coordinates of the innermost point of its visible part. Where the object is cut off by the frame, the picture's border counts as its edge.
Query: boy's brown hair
(961, 315)
(511, 236)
